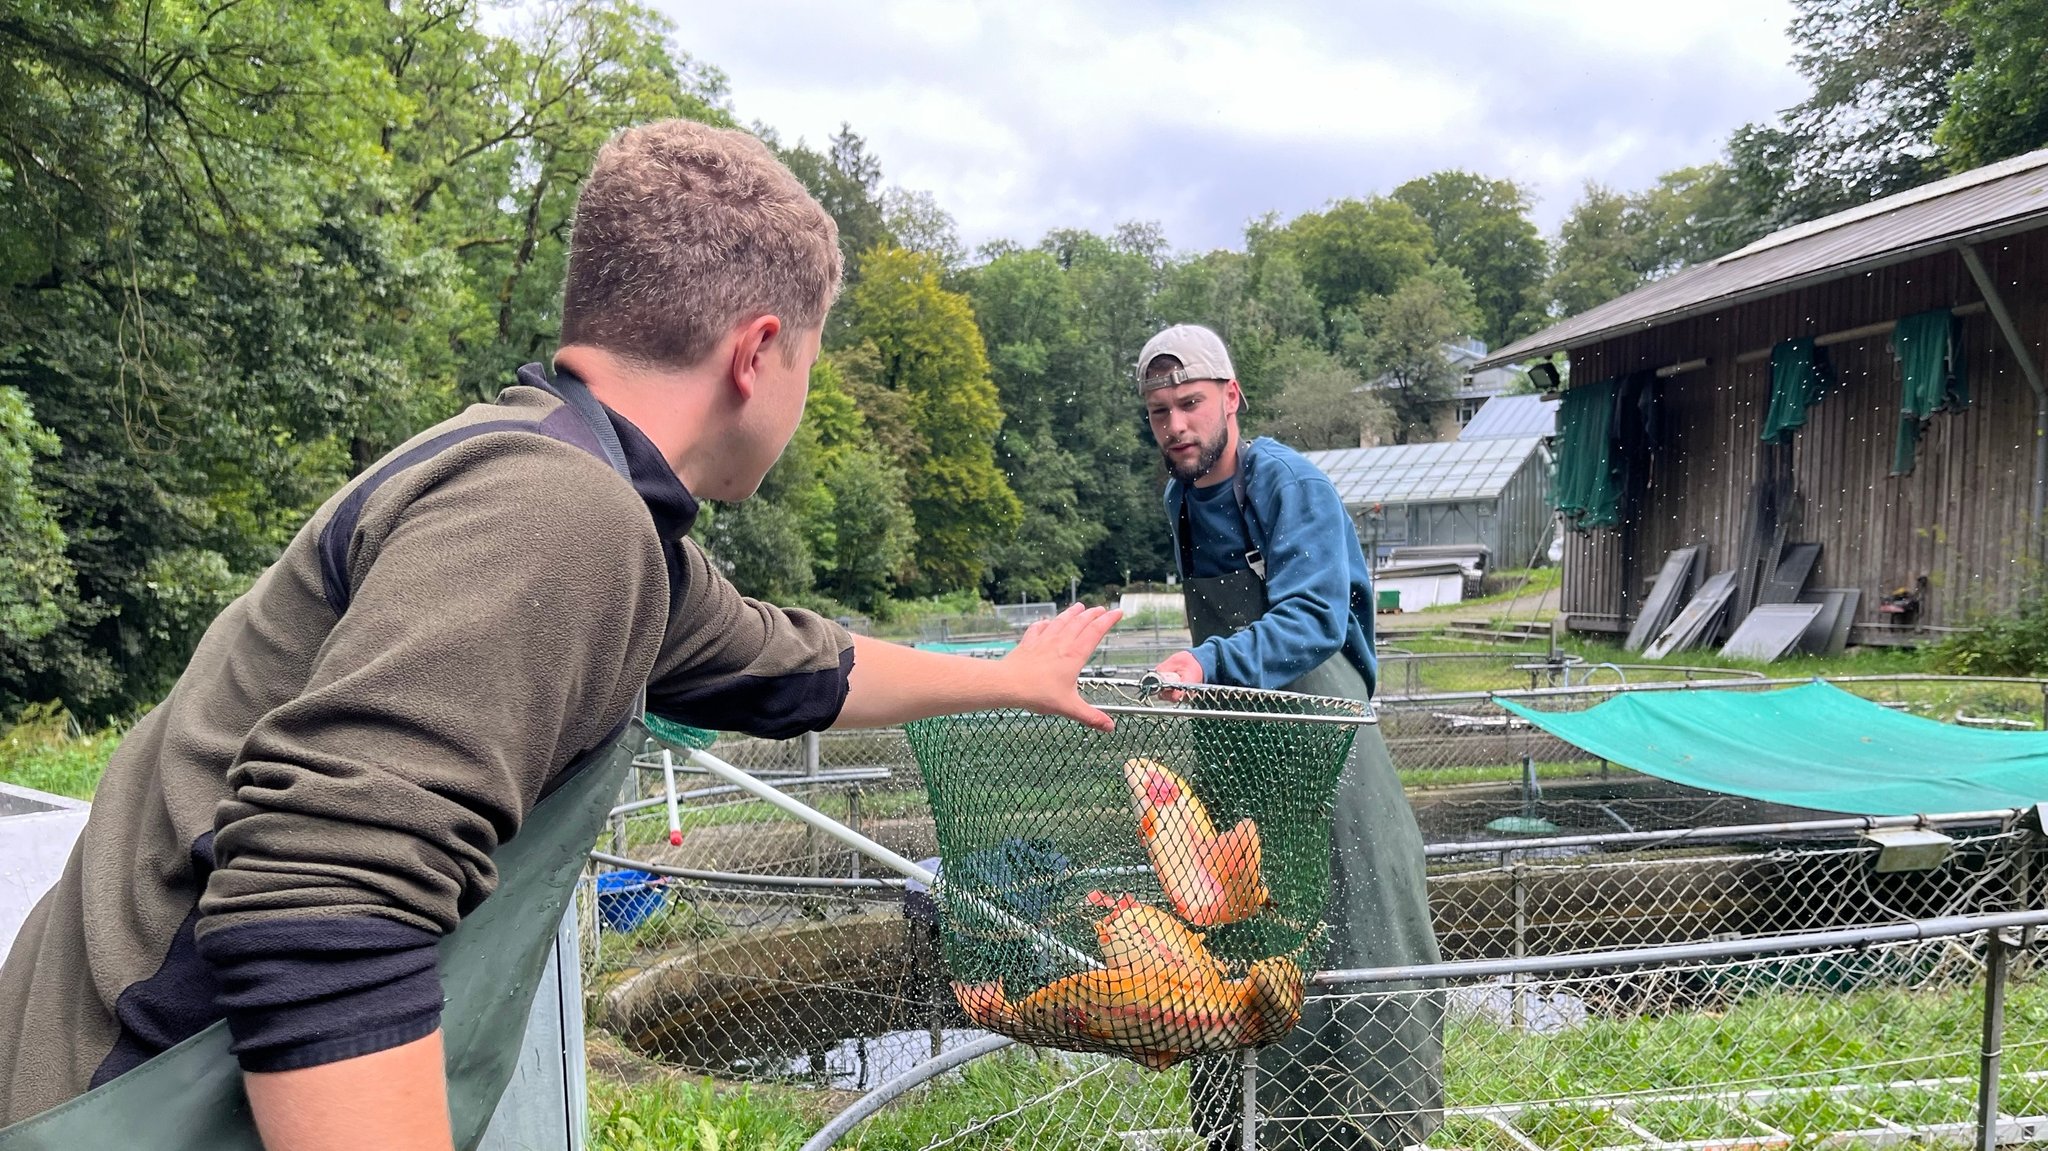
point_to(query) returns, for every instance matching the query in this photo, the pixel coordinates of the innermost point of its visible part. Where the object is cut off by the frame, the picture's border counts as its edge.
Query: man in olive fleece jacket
(284, 840)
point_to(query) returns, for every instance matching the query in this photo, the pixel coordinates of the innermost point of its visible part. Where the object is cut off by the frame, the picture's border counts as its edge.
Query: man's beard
(1205, 462)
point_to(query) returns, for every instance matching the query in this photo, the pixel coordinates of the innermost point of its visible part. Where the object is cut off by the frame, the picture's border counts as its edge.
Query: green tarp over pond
(1814, 746)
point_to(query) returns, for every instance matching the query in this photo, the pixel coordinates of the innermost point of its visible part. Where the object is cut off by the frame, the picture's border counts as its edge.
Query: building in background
(1493, 493)
(1672, 423)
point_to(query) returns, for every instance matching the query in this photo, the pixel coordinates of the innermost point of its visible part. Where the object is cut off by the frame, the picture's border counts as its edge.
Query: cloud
(1020, 118)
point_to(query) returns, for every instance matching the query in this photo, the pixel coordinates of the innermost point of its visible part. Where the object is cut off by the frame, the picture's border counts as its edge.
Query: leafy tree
(1117, 280)
(760, 546)
(847, 181)
(1482, 228)
(1880, 71)
(489, 143)
(1599, 252)
(245, 248)
(876, 534)
(1999, 101)
(866, 547)
(38, 591)
(1321, 403)
(1400, 340)
(1357, 248)
(916, 222)
(1060, 399)
(927, 349)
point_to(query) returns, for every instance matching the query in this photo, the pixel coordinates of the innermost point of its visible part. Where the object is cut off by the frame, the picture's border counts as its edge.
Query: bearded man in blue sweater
(1279, 596)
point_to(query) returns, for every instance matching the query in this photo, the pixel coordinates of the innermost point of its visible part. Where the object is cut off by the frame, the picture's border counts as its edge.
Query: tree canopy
(247, 248)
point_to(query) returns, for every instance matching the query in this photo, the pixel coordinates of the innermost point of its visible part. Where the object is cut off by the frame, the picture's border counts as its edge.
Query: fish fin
(985, 1003)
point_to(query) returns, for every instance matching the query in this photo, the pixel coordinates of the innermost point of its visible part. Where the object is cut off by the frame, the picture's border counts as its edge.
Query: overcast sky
(1058, 113)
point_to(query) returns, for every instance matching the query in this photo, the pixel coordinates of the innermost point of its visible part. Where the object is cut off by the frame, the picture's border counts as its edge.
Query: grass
(668, 1111)
(679, 1114)
(43, 751)
(1770, 1038)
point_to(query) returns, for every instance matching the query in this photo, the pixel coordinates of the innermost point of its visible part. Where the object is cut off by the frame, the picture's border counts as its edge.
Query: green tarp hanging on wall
(1586, 486)
(1801, 376)
(1932, 371)
(1814, 746)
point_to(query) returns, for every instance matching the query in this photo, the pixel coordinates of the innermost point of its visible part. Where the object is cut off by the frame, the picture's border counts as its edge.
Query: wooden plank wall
(1960, 518)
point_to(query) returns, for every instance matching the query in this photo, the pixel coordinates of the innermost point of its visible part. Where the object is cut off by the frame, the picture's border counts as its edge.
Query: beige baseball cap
(1200, 351)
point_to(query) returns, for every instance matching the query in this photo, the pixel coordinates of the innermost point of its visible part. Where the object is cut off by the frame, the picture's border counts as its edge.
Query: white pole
(675, 818)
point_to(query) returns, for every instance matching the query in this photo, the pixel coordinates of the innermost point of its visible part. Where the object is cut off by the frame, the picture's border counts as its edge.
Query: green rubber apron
(190, 1098)
(1364, 1072)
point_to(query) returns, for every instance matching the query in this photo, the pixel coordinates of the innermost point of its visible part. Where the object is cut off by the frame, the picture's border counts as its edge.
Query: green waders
(1359, 1073)
(190, 1098)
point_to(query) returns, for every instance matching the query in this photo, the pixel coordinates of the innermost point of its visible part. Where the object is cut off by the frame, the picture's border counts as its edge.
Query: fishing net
(1154, 892)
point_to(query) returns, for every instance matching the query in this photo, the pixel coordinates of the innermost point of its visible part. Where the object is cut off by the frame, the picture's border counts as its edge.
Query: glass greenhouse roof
(1425, 473)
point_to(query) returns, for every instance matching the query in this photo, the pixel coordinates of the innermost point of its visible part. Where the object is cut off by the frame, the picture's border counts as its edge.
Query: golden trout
(1210, 879)
(1160, 998)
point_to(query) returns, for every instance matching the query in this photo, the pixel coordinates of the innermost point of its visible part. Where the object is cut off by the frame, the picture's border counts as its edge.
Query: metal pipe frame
(746, 879)
(1723, 833)
(1366, 719)
(1993, 1051)
(1943, 927)
(850, 775)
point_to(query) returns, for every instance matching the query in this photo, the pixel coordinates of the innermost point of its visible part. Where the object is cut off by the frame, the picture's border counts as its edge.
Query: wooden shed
(1966, 518)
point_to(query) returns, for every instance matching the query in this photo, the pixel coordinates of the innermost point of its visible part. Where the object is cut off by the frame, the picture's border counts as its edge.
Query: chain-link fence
(757, 948)
(1860, 1038)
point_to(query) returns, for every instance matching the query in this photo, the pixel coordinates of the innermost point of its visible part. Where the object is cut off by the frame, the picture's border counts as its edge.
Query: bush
(43, 750)
(2015, 644)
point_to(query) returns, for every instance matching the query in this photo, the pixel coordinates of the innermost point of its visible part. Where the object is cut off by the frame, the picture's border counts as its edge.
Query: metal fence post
(1994, 1040)
(853, 821)
(1517, 1004)
(810, 753)
(1249, 1136)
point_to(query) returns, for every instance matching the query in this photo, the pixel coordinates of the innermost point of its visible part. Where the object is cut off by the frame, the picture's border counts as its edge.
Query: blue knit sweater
(1318, 588)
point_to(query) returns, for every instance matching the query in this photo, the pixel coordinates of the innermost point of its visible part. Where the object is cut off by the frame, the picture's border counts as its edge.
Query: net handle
(1367, 719)
(1153, 685)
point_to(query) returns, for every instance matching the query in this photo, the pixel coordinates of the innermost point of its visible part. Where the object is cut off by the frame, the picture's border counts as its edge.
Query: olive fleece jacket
(285, 838)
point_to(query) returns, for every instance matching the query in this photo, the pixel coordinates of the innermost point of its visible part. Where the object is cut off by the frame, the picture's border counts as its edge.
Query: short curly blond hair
(684, 230)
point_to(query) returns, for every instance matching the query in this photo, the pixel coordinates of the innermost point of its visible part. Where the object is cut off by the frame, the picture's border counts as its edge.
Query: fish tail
(985, 1004)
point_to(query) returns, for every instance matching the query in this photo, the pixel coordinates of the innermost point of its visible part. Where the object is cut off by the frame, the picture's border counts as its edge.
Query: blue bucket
(625, 899)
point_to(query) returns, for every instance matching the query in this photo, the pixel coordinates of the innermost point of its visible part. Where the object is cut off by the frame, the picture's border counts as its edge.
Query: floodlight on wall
(1545, 376)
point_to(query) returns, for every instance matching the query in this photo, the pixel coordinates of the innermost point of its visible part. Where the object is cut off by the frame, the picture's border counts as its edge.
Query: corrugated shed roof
(2001, 198)
(1511, 417)
(1425, 473)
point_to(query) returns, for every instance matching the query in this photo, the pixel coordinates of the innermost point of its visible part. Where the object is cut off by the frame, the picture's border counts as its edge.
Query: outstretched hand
(1049, 658)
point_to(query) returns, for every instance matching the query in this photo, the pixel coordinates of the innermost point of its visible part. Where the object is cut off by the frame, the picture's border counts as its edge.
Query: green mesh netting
(1152, 892)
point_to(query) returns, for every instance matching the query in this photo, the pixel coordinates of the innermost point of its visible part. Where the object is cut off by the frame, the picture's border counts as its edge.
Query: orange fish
(1211, 879)
(1160, 998)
